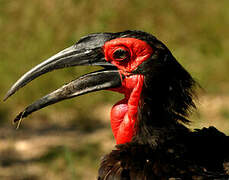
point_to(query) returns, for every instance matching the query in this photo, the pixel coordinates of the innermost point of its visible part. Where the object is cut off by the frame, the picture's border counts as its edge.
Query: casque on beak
(88, 51)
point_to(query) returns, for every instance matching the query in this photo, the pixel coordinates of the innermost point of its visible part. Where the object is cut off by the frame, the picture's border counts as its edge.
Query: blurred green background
(66, 141)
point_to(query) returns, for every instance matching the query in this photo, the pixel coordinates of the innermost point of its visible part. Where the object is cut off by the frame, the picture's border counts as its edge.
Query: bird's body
(178, 154)
(148, 124)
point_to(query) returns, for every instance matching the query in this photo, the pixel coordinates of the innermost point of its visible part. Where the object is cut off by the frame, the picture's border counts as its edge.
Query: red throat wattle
(124, 113)
(126, 54)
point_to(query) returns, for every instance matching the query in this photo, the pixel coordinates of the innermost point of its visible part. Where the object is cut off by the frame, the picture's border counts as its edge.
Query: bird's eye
(120, 54)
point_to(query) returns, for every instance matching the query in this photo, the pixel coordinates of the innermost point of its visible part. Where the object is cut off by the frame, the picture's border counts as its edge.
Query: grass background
(65, 141)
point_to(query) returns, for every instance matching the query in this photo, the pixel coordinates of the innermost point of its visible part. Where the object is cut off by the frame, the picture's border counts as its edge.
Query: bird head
(156, 88)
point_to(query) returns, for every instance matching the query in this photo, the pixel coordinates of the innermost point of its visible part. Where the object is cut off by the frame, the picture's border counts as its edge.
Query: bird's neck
(155, 123)
(163, 107)
(155, 104)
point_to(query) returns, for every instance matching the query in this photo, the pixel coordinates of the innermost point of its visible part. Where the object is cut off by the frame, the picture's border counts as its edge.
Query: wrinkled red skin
(139, 52)
(124, 113)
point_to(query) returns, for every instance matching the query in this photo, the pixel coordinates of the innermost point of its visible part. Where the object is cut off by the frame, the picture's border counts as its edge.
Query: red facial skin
(124, 113)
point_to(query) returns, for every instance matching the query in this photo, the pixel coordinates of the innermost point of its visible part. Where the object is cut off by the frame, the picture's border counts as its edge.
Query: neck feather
(165, 103)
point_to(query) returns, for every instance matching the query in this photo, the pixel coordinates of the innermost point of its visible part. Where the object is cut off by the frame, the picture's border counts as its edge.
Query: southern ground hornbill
(148, 124)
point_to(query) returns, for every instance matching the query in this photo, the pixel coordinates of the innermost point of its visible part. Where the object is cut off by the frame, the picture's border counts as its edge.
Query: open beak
(77, 55)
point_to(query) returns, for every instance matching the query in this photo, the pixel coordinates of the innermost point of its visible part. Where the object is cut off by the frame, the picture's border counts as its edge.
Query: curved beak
(68, 57)
(77, 55)
(96, 81)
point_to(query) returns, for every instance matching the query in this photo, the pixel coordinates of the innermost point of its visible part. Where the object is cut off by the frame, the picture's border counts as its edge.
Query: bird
(150, 124)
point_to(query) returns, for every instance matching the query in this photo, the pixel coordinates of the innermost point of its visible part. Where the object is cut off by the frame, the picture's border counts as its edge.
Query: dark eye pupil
(120, 54)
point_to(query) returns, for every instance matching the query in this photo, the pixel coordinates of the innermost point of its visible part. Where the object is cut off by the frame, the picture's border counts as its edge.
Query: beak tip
(8, 94)
(6, 97)
(19, 117)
